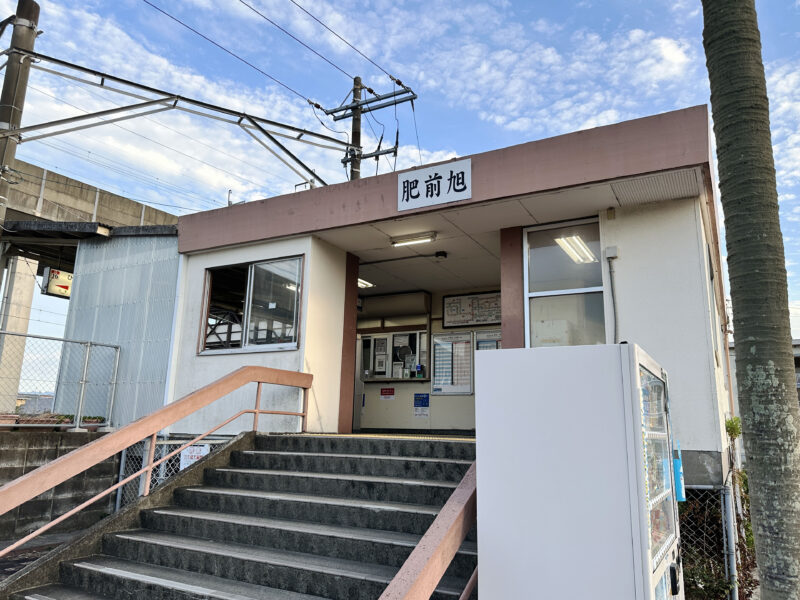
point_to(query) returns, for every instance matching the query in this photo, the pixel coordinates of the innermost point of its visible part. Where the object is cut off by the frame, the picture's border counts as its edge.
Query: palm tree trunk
(762, 334)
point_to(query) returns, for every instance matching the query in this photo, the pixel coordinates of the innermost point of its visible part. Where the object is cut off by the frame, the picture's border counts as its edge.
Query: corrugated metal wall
(124, 293)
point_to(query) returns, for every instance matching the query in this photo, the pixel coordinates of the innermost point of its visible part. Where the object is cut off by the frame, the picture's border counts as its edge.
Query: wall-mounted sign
(422, 405)
(449, 182)
(387, 393)
(471, 309)
(56, 283)
(192, 454)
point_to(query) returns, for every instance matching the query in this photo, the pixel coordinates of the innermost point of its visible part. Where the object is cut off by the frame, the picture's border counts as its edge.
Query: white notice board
(452, 364)
(466, 310)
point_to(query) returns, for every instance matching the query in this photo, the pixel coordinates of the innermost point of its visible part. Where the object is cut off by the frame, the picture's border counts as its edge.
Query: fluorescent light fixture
(363, 283)
(576, 249)
(291, 287)
(417, 238)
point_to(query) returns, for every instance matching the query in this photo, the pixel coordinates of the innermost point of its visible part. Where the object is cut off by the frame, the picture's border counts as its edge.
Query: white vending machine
(576, 491)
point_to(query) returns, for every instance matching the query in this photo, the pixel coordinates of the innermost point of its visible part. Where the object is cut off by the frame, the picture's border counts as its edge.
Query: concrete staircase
(296, 518)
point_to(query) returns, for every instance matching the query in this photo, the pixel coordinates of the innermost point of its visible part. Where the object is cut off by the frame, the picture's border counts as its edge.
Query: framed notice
(452, 364)
(466, 310)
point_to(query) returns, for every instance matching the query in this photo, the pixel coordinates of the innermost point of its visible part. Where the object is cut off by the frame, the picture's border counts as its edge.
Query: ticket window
(402, 355)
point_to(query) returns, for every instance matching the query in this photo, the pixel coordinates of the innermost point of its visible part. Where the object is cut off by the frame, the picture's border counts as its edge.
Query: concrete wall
(65, 199)
(319, 349)
(664, 305)
(24, 451)
(124, 294)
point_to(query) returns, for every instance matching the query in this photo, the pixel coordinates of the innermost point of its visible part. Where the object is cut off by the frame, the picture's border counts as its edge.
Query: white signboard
(192, 454)
(441, 184)
(57, 283)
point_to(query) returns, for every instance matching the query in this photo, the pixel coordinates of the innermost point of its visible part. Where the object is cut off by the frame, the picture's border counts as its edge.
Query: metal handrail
(420, 574)
(27, 487)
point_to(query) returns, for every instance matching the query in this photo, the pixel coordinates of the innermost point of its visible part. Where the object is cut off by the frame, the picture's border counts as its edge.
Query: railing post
(112, 392)
(258, 407)
(149, 473)
(79, 412)
(305, 410)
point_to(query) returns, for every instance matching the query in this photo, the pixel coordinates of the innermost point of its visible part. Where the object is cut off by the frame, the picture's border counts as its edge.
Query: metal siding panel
(125, 294)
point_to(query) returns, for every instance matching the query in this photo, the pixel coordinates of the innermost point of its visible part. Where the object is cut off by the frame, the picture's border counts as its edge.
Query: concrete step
(56, 592)
(387, 516)
(375, 446)
(350, 543)
(294, 571)
(439, 469)
(393, 489)
(119, 579)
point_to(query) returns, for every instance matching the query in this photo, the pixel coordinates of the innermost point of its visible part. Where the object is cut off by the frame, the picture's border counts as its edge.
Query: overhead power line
(389, 75)
(224, 49)
(296, 39)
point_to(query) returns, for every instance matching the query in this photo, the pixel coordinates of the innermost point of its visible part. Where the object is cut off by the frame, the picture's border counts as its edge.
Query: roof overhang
(644, 160)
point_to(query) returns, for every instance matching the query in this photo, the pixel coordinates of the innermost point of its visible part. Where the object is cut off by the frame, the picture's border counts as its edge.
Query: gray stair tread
(331, 500)
(452, 461)
(57, 592)
(351, 533)
(188, 582)
(380, 437)
(298, 560)
(364, 478)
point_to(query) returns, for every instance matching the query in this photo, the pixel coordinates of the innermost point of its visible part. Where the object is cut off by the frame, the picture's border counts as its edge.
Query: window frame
(566, 292)
(246, 347)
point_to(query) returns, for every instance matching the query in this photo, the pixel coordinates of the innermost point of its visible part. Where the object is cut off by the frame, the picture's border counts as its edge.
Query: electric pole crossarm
(183, 100)
(375, 154)
(285, 150)
(370, 108)
(330, 111)
(95, 115)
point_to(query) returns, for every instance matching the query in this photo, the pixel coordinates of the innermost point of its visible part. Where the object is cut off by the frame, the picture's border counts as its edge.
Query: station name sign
(441, 184)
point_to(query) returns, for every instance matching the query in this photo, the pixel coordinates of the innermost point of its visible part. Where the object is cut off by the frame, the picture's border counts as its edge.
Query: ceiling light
(576, 249)
(417, 238)
(363, 283)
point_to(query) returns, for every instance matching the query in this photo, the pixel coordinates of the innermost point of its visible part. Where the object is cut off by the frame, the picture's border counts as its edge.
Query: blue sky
(488, 74)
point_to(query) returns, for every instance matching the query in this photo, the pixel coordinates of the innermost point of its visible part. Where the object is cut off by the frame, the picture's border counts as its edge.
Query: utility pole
(356, 108)
(355, 137)
(12, 98)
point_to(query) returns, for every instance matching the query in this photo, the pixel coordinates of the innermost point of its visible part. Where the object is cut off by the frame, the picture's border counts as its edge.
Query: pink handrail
(420, 574)
(60, 470)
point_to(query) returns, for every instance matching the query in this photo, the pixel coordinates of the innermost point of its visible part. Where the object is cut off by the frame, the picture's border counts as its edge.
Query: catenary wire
(416, 131)
(392, 77)
(296, 39)
(181, 133)
(224, 49)
(221, 170)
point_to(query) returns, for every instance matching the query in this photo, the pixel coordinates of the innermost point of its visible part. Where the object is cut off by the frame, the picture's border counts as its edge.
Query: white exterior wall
(664, 305)
(321, 323)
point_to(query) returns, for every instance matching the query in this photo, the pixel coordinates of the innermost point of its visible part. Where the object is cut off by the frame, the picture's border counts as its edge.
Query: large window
(253, 306)
(564, 286)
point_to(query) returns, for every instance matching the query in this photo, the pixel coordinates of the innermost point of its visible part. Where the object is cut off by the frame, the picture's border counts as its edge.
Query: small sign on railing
(192, 454)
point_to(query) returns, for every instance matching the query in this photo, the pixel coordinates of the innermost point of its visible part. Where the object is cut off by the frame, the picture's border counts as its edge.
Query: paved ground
(17, 559)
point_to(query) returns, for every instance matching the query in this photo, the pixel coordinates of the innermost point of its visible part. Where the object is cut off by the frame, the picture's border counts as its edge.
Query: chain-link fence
(53, 381)
(703, 545)
(135, 457)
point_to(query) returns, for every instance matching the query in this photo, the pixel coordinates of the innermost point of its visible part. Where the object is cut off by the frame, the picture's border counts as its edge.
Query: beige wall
(318, 352)
(664, 305)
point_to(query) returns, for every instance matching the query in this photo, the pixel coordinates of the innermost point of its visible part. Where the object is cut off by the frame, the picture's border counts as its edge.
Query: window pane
(564, 259)
(274, 302)
(568, 320)
(227, 289)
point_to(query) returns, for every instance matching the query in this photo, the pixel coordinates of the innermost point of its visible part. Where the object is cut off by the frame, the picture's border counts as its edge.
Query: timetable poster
(471, 309)
(452, 364)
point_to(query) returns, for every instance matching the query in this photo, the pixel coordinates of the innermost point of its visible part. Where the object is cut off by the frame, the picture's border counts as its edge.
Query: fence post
(112, 392)
(148, 474)
(79, 412)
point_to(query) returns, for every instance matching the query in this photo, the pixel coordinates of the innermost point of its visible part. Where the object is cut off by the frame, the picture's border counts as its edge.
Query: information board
(452, 364)
(471, 309)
